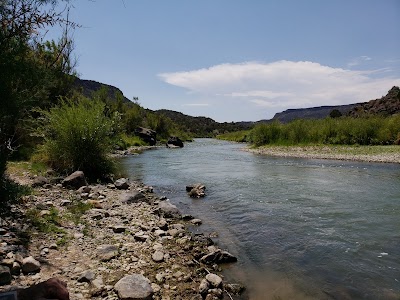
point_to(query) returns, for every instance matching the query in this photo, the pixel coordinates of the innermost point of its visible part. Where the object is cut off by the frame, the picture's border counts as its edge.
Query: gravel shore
(125, 233)
(382, 154)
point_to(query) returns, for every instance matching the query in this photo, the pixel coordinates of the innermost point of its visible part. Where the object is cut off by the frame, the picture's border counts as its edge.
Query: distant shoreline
(380, 154)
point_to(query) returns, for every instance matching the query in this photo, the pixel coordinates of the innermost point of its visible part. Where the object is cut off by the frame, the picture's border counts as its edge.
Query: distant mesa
(386, 106)
(312, 112)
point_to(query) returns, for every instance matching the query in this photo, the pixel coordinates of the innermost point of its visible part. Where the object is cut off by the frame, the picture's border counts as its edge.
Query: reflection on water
(302, 229)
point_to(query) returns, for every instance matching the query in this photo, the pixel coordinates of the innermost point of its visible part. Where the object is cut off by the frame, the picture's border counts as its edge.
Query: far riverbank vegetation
(366, 130)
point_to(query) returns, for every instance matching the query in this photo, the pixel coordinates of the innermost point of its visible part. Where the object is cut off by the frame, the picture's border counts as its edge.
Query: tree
(335, 113)
(32, 73)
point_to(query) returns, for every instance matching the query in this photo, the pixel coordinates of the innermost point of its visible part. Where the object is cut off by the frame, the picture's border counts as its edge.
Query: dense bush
(369, 130)
(78, 136)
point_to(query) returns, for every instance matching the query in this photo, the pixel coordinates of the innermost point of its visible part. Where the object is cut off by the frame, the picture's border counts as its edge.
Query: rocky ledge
(127, 244)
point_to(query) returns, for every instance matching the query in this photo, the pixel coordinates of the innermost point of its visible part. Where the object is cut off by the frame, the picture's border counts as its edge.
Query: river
(301, 228)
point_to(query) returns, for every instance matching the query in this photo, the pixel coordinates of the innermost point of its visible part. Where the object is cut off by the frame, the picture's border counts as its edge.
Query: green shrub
(367, 130)
(125, 141)
(236, 136)
(78, 136)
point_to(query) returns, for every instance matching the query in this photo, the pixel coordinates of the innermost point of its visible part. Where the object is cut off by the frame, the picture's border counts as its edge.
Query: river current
(301, 228)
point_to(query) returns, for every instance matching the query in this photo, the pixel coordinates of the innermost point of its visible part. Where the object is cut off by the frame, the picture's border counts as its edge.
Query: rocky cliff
(386, 105)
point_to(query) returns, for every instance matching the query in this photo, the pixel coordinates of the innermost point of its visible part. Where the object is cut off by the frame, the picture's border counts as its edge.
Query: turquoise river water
(301, 228)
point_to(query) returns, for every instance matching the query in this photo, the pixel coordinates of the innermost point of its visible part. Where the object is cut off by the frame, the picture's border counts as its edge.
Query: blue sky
(237, 60)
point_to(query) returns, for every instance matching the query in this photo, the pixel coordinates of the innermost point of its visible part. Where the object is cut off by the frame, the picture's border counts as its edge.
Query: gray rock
(158, 256)
(84, 190)
(141, 237)
(217, 292)
(196, 222)
(8, 262)
(204, 287)
(187, 217)
(134, 287)
(86, 276)
(168, 210)
(159, 232)
(118, 228)
(75, 180)
(40, 181)
(122, 184)
(218, 257)
(107, 252)
(132, 197)
(65, 202)
(162, 224)
(30, 265)
(196, 190)
(234, 288)
(5, 275)
(97, 287)
(214, 280)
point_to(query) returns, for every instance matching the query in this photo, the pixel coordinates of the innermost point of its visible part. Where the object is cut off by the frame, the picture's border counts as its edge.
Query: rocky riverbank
(108, 241)
(382, 154)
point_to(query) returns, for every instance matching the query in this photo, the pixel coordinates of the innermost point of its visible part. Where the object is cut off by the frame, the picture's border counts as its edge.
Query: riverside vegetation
(367, 138)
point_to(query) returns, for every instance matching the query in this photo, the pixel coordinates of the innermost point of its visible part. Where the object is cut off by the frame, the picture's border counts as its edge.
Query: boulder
(30, 265)
(174, 142)
(168, 210)
(40, 181)
(132, 197)
(134, 287)
(196, 190)
(214, 280)
(107, 252)
(86, 276)
(122, 184)
(146, 134)
(75, 180)
(218, 257)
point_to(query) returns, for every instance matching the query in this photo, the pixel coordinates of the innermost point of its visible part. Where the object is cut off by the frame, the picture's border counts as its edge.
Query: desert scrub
(78, 135)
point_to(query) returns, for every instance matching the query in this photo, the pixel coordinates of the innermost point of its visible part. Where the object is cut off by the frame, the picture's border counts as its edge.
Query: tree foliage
(32, 72)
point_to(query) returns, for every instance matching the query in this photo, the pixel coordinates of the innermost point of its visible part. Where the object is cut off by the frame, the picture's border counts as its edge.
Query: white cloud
(283, 84)
(358, 60)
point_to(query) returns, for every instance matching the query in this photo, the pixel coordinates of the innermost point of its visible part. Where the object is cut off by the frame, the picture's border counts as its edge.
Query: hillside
(202, 126)
(88, 87)
(386, 105)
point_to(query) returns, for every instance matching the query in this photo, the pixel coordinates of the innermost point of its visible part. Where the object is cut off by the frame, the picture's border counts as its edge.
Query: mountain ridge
(205, 126)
